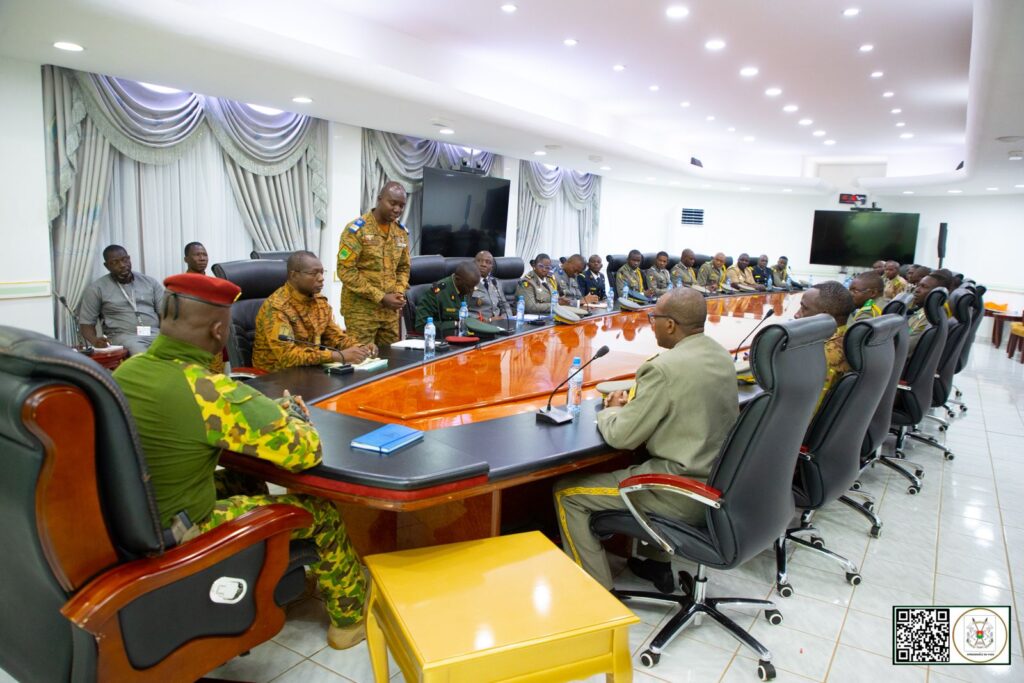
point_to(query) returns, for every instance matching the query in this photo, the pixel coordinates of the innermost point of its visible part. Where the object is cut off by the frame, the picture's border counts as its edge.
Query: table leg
(375, 641)
(997, 331)
(622, 663)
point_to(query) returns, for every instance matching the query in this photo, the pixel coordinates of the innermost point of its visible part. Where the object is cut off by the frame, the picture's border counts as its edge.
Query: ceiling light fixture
(709, 118)
(1019, 186)
(805, 122)
(786, 189)
(906, 136)
(830, 142)
(677, 12)
(446, 131)
(790, 108)
(508, 8)
(673, 182)
(68, 47)
(302, 100)
(867, 47)
(900, 124)
(818, 133)
(684, 105)
(749, 71)
(619, 67)
(773, 92)
(954, 191)
(851, 12)
(888, 93)
(606, 168)
(877, 74)
(731, 129)
(749, 138)
(654, 88)
(1016, 155)
(896, 111)
(540, 153)
(570, 42)
(715, 44)
(992, 189)
(908, 192)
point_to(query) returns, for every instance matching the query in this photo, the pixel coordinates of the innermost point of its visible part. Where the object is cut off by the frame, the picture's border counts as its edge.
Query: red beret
(210, 290)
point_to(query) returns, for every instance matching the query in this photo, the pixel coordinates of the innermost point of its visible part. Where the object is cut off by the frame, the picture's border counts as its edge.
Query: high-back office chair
(271, 255)
(748, 494)
(829, 459)
(978, 316)
(424, 271)
(508, 270)
(614, 262)
(452, 262)
(961, 303)
(90, 591)
(899, 305)
(914, 392)
(258, 278)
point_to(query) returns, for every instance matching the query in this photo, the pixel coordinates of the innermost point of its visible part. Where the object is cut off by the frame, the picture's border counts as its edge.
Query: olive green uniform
(441, 303)
(835, 361)
(711, 276)
(685, 402)
(871, 308)
(684, 274)
(537, 293)
(659, 279)
(780, 277)
(894, 287)
(186, 415)
(632, 277)
(373, 260)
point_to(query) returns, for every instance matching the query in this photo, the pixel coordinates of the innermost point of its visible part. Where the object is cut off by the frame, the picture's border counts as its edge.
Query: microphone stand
(343, 369)
(87, 348)
(560, 416)
(736, 355)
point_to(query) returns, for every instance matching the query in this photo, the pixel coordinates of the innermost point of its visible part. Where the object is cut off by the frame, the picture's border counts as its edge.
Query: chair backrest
(271, 255)
(919, 373)
(961, 302)
(74, 498)
(614, 261)
(699, 260)
(426, 270)
(452, 262)
(258, 278)
(878, 428)
(900, 305)
(834, 439)
(754, 470)
(978, 309)
(648, 260)
(508, 270)
(412, 299)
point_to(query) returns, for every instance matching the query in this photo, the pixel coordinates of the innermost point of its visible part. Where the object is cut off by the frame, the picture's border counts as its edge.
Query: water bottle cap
(577, 360)
(430, 321)
(521, 298)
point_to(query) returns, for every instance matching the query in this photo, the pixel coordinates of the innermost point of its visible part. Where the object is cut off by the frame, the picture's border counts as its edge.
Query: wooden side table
(509, 607)
(108, 358)
(1000, 318)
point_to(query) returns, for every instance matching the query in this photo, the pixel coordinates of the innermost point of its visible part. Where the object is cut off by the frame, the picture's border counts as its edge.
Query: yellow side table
(510, 607)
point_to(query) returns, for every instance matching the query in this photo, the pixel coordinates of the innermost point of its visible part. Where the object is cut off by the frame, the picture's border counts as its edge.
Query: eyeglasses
(651, 317)
(541, 266)
(313, 273)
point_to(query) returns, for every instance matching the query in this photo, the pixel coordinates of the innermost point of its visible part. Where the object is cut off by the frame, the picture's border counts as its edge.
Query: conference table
(484, 462)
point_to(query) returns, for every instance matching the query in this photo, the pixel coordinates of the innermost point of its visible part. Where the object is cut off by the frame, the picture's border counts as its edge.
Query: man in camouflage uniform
(593, 278)
(186, 415)
(894, 282)
(683, 272)
(832, 298)
(712, 274)
(780, 274)
(740, 273)
(373, 266)
(487, 299)
(918, 319)
(298, 310)
(866, 290)
(658, 276)
(445, 298)
(630, 274)
(570, 279)
(537, 287)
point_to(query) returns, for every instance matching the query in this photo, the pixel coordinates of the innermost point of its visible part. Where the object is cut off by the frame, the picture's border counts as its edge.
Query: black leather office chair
(614, 262)
(673, 261)
(979, 314)
(829, 459)
(90, 592)
(508, 270)
(258, 278)
(914, 392)
(748, 495)
(961, 303)
(452, 262)
(271, 255)
(424, 271)
(699, 260)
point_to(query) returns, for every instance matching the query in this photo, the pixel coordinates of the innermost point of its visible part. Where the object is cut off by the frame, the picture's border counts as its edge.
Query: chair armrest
(684, 486)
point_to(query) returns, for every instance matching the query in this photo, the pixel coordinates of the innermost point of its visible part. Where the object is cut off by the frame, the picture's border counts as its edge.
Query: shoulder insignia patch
(402, 226)
(356, 224)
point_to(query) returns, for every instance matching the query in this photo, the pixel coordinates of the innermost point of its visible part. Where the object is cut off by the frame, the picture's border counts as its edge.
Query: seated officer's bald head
(197, 310)
(687, 306)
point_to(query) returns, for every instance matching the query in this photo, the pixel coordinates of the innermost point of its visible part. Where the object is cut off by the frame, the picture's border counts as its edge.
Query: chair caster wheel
(784, 589)
(963, 409)
(649, 658)
(918, 473)
(869, 506)
(765, 671)
(855, 486)
(773, 616)
(817, 542)
(942, 428)
(950, 414)
(948, 455)
(876, 531)
(913, 490)
(853, 578)
(959, 393)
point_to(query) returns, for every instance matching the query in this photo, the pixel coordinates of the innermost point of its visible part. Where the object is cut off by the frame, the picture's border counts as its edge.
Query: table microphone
(558, 416)
(343, 369)
(770, 313)
(87, 348)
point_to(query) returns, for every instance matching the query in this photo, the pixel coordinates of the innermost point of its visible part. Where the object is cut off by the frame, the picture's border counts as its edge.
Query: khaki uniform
(291, 313)
(488, 300)
(441, 303)
(681, 273)
(835, 361)
(660, 280)
(780, 277)
(894, 287)
(629, 276)
(709, 275)
(684, 404)
(373, 260)
(741, 277)
(568, 287)
(918, 323)
(870, 309)
(537, 293)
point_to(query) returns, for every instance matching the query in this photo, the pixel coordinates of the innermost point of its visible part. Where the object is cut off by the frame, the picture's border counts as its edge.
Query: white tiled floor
(960, 541)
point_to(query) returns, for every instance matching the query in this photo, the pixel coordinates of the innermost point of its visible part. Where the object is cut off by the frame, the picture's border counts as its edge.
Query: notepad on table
(387, 439)
(371, 364)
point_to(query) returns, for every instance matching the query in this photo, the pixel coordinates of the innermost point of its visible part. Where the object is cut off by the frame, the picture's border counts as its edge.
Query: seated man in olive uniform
(683, 406)
(186, 415)
(593, 278)
(879, 267)
(683, 273)
(894, 282)
(918, 320)
(445, 298)
(866, 290)
(762, 273)
(914, 276)
(487, 300)
(741, 273)
(630, 275)
(537, 287)
(568, 282)
(780, 274)
(832, 298)
(658, 276)
(712, 274)
(298, 310)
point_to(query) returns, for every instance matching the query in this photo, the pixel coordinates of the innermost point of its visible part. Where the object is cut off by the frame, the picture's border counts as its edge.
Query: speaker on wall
(943, 233)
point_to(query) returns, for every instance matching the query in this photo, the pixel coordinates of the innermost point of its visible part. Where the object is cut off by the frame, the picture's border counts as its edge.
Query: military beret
(209, 290)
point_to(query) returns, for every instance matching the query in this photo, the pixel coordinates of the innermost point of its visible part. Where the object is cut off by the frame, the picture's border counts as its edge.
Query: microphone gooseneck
(770, 313)
(600, 352)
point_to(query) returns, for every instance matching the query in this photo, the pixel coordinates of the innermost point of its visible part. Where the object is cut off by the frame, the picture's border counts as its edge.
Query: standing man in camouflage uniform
(298, 310)
(712, 273)
(569, 280)
(630, 274)
(537, 287)
(373, 265)
(487, 299)
(832, 298)
(186, 415)
(658, 276)
(445, 297)
(683, 272)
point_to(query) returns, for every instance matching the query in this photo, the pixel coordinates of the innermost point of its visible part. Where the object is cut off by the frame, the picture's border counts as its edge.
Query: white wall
(25, 271)
(344, 171)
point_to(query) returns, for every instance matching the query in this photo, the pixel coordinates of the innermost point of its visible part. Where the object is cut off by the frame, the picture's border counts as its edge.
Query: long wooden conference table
(483, 457)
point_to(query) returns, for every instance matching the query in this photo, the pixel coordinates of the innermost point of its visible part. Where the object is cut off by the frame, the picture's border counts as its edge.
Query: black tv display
(463, 213)
(859, 238)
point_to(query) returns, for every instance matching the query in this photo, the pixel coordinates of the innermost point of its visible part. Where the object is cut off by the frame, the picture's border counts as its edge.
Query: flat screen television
(859, 238)
(463, 213)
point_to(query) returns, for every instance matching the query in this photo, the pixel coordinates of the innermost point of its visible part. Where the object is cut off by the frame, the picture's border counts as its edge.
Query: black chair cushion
(258, 278)
(425, 270)
(508, 268)
(271, 255)
(452, 262)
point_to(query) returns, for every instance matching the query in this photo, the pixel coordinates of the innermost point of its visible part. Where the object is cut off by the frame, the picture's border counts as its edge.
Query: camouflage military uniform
(537, 293)
(835, 361)
(918, 323)
(894, 287)
(309, 318)
(683, 274)
(659, 279)
(373, 260)
(741, 277)
(869, 310)
(441, 303)
(709, 275)
(780, 277)
(632, 277)
(186, 415)
(568, 287)
(488, 300)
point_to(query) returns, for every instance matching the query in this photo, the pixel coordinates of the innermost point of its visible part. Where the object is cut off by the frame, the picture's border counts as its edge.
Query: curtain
(558, 211)
(388, 156)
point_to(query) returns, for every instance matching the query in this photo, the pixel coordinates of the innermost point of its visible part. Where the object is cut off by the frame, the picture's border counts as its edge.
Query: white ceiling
(505, 82)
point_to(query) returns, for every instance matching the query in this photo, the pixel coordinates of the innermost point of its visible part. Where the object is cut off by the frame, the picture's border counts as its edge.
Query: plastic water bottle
(671, 285)
(574, 399)
(429, 340)
(810, 278)
(679, 282)
(554, 302)
(848, 281)
(769, 281)
(520, 313)
(728, 282)
(463, 315)
(625, 290)
(611, 296)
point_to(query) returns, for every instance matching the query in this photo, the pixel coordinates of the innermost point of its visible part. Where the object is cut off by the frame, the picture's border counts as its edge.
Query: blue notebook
(387, 439)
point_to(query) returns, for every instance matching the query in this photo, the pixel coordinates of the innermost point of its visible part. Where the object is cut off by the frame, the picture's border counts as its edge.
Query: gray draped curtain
(274, 161)
(558, 210)
(400, 158)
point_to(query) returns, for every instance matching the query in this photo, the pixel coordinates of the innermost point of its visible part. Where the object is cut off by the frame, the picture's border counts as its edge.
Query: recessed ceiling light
(830, 142)
(606, 168)
(508, 8)
(748, 71)
(888, 93)
(896, 111)
(709, 118)
(715, 44)
(651, 179)
(900, 124)
(906, 136)
(446, 131)
(1016, 155)
(992, 189)
(540, 153)
(786, 189)
(705, 186)
(1019, 186)
(790, 108)
(302, 100)
(570, 42)
(773, 92)
(851, 12)
(877, 74)
(954, 191)
(69, 47)
(908, 192)
(731, 129)
(673, 182)
(805, 122)
(653, 88)
(619, 67)
(748, 138)
(744, 189)
(867, 47)
(684, 105)
(677, 12)
(818, 133)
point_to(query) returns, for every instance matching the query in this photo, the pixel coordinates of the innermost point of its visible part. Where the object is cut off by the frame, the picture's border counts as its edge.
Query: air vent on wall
(692, 217)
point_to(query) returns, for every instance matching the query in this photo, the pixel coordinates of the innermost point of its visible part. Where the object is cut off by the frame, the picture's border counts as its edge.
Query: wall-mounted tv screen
(463, 213)
(859, 238)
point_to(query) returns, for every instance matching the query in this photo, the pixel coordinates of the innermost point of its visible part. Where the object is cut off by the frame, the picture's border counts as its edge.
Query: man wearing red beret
(187, 414)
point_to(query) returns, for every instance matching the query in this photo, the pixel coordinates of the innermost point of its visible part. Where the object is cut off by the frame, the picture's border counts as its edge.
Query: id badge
(143, 331)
